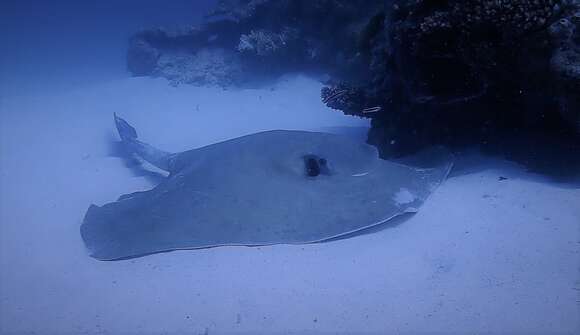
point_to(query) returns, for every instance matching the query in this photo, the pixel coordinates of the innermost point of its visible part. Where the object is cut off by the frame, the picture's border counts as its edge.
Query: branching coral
(350, 100)
(266, 43)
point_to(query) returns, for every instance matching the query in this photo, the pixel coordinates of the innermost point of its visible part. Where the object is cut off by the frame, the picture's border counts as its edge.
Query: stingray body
(273, 187)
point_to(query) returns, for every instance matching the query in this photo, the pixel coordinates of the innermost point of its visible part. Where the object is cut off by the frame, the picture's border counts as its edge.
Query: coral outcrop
(425, 72)
(263, 38)
(468, 71)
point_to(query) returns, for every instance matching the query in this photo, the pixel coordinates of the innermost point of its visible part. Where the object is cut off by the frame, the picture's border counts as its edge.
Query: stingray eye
(315, 166)
(312, 167)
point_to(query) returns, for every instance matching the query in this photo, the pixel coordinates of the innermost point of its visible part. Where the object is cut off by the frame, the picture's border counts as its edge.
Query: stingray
(272, 187)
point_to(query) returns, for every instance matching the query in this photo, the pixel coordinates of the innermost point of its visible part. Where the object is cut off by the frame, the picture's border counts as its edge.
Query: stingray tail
(126, 131)
(148, 153)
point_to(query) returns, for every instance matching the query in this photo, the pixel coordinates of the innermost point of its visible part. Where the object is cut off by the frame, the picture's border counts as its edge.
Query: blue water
(66, 43)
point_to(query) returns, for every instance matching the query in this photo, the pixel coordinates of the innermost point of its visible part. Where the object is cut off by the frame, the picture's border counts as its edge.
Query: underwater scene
(289, 167)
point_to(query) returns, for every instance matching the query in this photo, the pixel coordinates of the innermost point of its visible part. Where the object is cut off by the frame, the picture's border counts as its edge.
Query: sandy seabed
(483, 255)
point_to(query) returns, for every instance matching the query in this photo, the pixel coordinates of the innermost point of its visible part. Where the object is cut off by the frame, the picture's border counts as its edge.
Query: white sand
(481, 256)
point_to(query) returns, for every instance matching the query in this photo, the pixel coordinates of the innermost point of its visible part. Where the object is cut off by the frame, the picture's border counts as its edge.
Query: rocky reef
(467, 71)
(252, 40)
(425, 72)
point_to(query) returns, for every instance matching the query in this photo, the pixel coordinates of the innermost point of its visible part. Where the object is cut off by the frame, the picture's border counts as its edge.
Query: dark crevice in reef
(496, 74)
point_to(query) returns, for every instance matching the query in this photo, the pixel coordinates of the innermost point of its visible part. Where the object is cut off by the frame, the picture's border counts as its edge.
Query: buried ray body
(272, 187)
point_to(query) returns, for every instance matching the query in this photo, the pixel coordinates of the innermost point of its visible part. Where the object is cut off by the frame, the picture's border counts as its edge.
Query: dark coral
(565, 64)
(458, 72)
